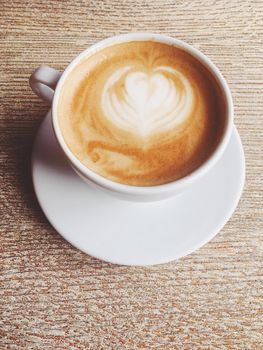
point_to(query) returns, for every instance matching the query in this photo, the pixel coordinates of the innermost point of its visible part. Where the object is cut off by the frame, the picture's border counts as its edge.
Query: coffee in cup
(141, 113)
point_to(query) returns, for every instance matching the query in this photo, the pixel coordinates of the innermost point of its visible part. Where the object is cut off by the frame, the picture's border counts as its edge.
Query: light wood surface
(55, 297)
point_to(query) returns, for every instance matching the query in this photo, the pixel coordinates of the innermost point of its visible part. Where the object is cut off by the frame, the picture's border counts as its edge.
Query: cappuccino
(141, 113)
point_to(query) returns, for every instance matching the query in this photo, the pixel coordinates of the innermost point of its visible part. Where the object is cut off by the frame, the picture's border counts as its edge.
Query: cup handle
(43, 82)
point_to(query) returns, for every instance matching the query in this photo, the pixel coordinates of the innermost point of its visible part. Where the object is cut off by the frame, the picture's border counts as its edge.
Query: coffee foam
(141, 113)
(147, 102)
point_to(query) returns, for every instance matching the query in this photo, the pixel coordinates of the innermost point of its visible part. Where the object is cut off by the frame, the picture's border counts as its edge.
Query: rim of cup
(156, 189)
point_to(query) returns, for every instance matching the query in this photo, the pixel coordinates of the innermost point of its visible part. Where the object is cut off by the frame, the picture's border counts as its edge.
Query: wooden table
(55, 297)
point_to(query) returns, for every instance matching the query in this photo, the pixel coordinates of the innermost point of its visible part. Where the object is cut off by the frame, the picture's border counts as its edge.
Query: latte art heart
(147, 102)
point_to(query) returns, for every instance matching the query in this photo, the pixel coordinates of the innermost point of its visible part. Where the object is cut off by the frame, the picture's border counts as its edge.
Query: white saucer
(134, 233)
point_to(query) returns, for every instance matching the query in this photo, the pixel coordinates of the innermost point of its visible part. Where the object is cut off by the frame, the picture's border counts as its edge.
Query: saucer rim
(169, 258)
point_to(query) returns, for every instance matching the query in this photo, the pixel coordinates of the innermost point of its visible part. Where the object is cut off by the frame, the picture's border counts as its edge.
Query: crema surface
(141, 113)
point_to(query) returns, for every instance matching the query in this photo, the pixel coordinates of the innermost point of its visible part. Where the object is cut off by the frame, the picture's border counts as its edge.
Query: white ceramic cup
(46, 82)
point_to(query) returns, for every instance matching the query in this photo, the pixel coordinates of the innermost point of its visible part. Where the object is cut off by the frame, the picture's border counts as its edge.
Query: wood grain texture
(55, 297)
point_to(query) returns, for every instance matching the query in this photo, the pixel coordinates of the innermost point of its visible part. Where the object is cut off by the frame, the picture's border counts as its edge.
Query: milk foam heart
(146, 103)
(141, 113)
